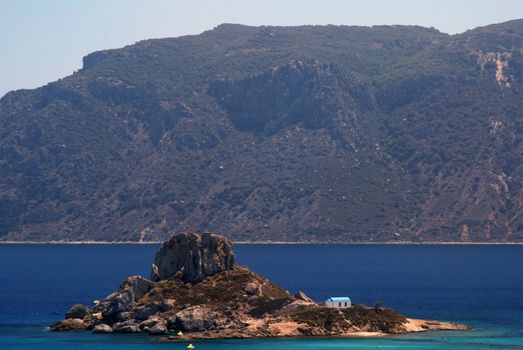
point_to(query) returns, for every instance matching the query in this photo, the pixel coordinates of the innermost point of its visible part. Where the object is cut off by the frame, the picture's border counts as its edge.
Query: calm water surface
(479, 285)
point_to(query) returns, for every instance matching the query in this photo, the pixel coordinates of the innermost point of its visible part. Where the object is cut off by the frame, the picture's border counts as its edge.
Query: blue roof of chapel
(338, 299)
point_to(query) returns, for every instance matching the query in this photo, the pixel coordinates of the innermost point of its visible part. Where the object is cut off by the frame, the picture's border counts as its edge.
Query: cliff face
(221, 300)
(193, 256)
(274, 133)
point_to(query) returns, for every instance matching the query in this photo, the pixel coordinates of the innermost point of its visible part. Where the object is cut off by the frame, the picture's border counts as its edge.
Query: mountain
(310, 133)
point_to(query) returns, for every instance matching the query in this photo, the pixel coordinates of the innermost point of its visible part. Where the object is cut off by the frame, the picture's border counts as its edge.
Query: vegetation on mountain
(310, 133)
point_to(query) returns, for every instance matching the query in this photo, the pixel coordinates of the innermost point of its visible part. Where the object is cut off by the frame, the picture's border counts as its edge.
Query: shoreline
(290, 329)
(259, 243)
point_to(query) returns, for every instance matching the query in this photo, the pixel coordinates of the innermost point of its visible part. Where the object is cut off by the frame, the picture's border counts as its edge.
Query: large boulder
(167, 304)
(118, 305)
(197, 318)
(71, 324)
(154, 325)
(78, 311)
(303, 297)
(138, 285)
(124, 316)
(193, 256)
(129, 326)
(253, 288)
(102, 328)
(145, 311)
(157, 329)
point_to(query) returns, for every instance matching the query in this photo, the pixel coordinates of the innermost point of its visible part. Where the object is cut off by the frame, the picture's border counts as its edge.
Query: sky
(44, 40)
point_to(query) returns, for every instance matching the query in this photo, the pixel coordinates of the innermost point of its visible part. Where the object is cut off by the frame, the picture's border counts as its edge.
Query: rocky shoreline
(198, 292)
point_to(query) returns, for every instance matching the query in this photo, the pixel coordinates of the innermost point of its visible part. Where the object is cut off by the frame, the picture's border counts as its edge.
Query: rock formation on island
(193, 257)
(198, 289)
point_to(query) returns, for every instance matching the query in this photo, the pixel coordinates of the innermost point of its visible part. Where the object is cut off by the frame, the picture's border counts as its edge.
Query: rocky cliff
(193, 257)
(310, 133)
(216, 300)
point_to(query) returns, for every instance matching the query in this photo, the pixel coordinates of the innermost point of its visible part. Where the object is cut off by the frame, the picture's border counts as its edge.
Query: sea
(480, 285)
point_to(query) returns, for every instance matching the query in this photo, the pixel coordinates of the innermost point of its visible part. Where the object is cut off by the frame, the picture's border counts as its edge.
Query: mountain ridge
(310, 133)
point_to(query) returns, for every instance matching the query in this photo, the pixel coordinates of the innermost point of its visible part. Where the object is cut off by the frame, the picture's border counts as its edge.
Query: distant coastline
(266, 242)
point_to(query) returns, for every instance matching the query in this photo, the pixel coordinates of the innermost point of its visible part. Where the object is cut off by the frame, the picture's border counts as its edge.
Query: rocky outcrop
(137, 285)
(197, 318)
(193, 256)
(149, 309)
(102, 328)
(253, 289)
(208, 296)
(302, 296)
(69, 324)
(154, 325)
(78, 311)
(128, 326)
(120, 305)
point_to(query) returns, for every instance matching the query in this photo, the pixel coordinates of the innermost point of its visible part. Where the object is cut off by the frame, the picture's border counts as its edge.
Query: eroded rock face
(138, 285)
(196, 318)
(118, 305)
(302, 296)
(253, 288)
(154, 325)
(102, 328)
(70, 324)
(145, 311)
(193, 256)
(129, 326)
(77, 311)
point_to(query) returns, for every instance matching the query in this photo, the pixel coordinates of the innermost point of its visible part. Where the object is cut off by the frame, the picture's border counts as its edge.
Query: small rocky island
(196, 288)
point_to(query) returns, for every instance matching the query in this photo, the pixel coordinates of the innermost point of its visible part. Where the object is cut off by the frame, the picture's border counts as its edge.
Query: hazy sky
(43, 40)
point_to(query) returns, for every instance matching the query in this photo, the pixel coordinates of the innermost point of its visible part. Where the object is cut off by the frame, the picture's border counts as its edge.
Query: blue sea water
(481, 285)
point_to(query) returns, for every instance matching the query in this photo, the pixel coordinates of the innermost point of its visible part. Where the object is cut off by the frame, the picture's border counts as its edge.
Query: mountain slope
(312, 133)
